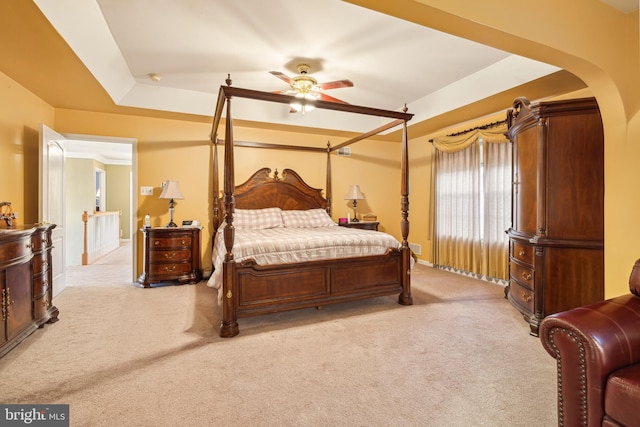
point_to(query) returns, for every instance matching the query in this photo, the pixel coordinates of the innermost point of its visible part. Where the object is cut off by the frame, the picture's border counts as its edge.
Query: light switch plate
(146, 191)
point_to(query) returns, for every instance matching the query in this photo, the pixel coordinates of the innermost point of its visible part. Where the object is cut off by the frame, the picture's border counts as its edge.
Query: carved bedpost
(405, 297)
(328, 187)
(216, 186)
(229, 323)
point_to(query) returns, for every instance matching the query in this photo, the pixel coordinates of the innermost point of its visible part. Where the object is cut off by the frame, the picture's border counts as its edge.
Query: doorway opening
(101, 174)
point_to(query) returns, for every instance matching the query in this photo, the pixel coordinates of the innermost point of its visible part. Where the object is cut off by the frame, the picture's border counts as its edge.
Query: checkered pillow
(257, 219)
(307, 218)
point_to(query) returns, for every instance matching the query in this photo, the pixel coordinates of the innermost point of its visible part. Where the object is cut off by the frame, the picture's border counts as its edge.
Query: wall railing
(101, 234)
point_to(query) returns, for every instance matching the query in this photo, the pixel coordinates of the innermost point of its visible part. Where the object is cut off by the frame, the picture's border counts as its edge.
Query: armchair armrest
(589, 343)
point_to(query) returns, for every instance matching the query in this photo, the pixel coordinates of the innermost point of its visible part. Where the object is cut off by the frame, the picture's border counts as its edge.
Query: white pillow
(257, 219)
(307, 218)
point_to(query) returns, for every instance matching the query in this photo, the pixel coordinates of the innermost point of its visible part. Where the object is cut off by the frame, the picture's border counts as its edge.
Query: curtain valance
(460, 141)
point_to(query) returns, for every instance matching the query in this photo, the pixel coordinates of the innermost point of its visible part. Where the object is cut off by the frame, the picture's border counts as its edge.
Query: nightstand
(364, 225)
(171, 255)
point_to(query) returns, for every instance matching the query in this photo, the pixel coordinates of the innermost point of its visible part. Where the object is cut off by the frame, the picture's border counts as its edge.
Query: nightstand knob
(156, 242)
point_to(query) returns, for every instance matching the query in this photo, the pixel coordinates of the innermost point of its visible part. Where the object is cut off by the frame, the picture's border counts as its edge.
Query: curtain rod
(487, 126)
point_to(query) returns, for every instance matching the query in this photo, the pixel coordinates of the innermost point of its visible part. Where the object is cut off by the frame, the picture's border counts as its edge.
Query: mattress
(283, 245)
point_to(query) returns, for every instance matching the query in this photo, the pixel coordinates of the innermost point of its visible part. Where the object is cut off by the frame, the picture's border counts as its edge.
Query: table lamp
(171, 191)
(355, 195)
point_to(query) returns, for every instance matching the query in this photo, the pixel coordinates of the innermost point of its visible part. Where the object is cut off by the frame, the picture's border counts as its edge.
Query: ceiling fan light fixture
(306, 102)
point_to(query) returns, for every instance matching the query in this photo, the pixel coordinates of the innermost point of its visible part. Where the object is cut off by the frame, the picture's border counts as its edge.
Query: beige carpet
(124, 355)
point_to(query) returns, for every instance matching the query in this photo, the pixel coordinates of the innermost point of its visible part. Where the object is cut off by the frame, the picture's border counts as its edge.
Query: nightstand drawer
(169, 270)
(169, 255)
(170, 242)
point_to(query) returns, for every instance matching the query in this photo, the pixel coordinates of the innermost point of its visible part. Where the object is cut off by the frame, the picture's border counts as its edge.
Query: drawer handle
(156, 242)
(170, 268)
(526, 276)
(526, 297)
(169, 255)
(183, 242)
(521, 253)
(29, 246)
(6, 303)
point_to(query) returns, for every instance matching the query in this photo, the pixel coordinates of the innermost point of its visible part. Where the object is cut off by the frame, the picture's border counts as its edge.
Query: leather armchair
(597, 349)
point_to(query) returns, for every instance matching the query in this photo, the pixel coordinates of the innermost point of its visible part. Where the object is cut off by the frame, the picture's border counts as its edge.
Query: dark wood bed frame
(250, 289)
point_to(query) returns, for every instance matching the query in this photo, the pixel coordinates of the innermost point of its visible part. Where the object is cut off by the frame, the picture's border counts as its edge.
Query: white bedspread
(289, 245)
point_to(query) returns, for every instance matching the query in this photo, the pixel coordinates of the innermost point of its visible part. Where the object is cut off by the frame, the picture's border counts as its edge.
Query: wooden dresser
(171, 254)
(25, 282)
(557, 228)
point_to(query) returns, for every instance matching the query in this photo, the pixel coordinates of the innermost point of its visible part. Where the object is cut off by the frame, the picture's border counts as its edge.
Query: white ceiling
(625, 6)
(193, 44)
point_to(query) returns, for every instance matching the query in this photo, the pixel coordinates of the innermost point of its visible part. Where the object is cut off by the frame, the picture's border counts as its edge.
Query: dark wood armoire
(557, 229)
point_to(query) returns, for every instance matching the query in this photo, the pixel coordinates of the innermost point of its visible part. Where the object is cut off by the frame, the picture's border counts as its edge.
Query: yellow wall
(21, 113)
(118, 195)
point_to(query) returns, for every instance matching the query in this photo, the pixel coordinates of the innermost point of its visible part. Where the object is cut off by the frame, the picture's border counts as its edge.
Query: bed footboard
(256, 290)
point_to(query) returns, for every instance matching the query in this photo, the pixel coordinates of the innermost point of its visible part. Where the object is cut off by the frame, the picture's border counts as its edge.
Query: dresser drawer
(524, 275)
(40, 305)
(40, 264)
(15, 250)
(40, 240)
(40, 285)
(522, 252)
(157, 256)
(521, 296)
(169, 242)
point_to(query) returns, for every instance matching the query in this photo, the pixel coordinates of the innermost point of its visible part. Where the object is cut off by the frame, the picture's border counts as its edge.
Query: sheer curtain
(472, 203)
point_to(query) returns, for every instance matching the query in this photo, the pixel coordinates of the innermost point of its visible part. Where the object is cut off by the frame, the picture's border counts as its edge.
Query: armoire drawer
(521, 295)
(522, 252)
(522, 274)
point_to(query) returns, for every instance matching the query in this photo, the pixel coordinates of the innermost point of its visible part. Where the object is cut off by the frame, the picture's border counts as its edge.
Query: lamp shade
(171, 190)
(354, 193)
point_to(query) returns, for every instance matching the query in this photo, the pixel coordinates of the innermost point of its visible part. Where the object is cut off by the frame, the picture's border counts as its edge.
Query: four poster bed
(299, 257)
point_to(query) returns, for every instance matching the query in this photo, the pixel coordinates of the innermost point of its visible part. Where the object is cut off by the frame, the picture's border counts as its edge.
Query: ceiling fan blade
(282, 77)
(336, 84)
(326, 97)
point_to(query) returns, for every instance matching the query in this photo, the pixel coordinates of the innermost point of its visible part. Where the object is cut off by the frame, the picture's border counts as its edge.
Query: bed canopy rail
(229, 325)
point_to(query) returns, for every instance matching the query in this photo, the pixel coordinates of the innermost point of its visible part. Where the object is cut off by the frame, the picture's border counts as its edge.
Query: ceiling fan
(307, 88)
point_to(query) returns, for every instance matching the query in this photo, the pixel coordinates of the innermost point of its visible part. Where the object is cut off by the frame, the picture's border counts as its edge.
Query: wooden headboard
(286, 192)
